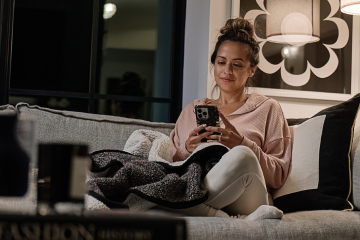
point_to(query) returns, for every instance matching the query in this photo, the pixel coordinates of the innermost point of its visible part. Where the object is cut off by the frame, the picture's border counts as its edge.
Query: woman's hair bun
(236, 27)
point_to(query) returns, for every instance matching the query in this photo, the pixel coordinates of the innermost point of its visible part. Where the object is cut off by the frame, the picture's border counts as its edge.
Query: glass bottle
(14, 162)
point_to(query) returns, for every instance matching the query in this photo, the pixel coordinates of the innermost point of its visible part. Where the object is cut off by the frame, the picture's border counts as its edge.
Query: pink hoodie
(262, 123)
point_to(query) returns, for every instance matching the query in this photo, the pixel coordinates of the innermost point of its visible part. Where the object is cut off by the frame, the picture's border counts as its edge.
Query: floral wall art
(321, 69)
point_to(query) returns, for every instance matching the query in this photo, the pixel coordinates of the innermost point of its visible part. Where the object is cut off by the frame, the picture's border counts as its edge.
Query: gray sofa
(108, 132)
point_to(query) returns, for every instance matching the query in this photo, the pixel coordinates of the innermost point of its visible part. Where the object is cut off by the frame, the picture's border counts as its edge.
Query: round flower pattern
(327, 69)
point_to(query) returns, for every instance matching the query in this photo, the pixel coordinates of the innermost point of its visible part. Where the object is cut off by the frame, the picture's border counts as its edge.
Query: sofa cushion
(99, 132)
(7, 110)
(355, 156)
(320, 172)
(326, 225)
(355, 160)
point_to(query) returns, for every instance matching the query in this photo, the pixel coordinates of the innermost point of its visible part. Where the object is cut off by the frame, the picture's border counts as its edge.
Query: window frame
(7, 8)
(6, 34)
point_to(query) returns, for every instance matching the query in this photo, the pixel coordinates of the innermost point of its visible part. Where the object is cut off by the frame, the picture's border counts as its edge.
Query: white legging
(236, 185)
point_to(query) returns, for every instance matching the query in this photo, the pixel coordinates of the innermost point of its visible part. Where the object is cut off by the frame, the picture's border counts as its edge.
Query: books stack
(110, 225)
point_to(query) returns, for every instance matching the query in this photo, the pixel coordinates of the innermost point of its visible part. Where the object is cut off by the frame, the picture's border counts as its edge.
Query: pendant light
(295, 22)
(350, 6)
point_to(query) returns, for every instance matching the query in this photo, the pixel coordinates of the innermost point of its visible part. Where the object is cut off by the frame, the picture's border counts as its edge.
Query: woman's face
(232, 67)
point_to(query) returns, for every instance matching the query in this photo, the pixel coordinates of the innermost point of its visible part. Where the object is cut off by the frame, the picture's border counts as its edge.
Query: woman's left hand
(230, 137)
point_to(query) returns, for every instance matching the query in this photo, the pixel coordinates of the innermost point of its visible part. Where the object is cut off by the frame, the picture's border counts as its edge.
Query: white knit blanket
(155, 146)
(151, 145)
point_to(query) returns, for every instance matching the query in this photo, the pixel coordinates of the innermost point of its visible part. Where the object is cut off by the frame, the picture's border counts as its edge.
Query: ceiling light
(109, 10)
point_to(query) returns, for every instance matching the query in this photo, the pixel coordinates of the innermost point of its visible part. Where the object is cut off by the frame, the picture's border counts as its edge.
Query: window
(73, 55)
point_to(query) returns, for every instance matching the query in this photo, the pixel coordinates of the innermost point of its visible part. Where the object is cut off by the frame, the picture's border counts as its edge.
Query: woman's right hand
(194, 139)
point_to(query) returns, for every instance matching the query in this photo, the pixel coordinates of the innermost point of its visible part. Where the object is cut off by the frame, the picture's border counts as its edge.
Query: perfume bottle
(14, 162)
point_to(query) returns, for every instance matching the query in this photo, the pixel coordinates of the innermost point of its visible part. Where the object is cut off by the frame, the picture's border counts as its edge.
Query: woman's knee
(242, 159)
(234, 164)
(232, 167)
(244, 152)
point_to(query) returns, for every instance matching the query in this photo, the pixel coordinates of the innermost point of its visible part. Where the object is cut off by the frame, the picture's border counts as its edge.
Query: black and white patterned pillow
(320, 172)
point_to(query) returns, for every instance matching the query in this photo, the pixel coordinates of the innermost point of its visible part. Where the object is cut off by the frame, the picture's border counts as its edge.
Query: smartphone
(208, 115)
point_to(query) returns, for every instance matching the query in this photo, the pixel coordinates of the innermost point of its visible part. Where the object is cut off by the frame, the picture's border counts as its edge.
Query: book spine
(31, 230)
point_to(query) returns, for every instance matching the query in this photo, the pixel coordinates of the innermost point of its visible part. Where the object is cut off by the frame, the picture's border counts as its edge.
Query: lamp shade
(294, 22)
(350, 6)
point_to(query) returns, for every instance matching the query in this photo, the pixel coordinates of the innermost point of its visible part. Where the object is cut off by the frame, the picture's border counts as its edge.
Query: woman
(253, 128)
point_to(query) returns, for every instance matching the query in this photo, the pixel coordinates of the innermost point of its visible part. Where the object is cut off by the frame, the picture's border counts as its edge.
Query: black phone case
(208, 115)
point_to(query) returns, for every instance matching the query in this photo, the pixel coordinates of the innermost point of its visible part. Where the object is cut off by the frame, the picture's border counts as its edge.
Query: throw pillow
(320, 172)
